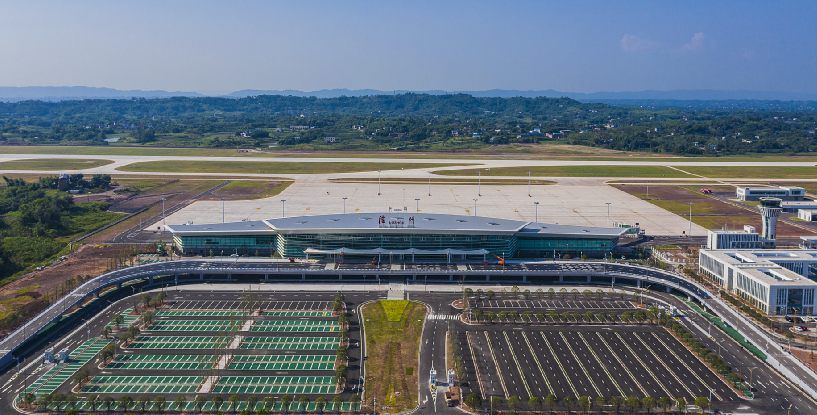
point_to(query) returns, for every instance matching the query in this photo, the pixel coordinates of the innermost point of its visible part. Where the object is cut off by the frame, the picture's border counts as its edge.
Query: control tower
(769, 211)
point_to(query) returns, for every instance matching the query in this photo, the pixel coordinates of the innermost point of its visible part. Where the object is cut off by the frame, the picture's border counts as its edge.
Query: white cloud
(694, 45)
(631, 43)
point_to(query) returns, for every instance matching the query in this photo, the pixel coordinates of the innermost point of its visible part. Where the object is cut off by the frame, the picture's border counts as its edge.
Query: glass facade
(294, 245)
(545, 247)
(225, 245)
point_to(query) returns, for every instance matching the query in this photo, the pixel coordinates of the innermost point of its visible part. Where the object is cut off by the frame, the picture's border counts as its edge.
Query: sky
(574, 46)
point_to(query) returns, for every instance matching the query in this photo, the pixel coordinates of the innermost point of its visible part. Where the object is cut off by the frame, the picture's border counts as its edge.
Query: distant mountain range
(49, 93)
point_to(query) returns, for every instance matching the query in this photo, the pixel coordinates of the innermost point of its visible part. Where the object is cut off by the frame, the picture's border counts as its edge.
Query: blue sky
(577, 46)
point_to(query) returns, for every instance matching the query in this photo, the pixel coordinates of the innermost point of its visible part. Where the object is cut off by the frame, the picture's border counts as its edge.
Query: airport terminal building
(406, 236)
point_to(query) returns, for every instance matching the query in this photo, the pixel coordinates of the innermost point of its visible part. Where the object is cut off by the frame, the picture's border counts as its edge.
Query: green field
(392, 347)
(572, 171)
(394, 309)
(755, 172)
(53, 164)
(271, 167)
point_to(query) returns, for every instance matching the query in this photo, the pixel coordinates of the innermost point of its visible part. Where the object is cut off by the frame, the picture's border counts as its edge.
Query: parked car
(789, 319)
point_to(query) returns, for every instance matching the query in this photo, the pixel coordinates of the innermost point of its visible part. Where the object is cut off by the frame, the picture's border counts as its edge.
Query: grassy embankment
(393, 330)
(259, 167)
(53, 164)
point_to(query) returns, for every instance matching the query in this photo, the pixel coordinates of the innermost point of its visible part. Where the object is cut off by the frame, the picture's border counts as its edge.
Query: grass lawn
(392, 348)
(394, 309)
(52, 164)
(260, 167)
(251, 189)
(760, 172)
(571, 171)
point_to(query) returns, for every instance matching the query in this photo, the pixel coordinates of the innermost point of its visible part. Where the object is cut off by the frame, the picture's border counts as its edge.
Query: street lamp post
(378, 182)
(163, 214)
(222, 209)
(608, 214)
(479, 183)
(475, 207)
(536, 215)
(344, 205)
(429, 183)
(418, 205)
(528, 184)
(690, 220)
(283, 206)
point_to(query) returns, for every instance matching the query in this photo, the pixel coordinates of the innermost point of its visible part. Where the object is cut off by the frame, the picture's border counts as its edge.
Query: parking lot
(583, 361)
(553, 305)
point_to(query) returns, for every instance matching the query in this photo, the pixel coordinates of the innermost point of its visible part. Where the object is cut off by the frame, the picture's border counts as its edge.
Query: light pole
(690, 220)
(163, 214)
(751, 373)
(429, 183)
(378, 182)
(536, 207)
(344, 205)
(283, 206)
(222, 210)
(528, 184)
(479, 183)
(475, 207)
(418, 205)
(608, 214)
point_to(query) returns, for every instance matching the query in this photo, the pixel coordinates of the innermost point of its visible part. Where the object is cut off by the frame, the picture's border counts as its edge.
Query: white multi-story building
(775, 281)
(807, 214)
(782, 192)
(736, 239)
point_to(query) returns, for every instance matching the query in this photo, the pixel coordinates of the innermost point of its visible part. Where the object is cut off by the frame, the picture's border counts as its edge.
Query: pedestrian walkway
(443, 316)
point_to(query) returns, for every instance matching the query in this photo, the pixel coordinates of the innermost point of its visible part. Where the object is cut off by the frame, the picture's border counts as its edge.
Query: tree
(568, 402)
(217, 402)
(617, 402)
(600, 402)
(490, 316)
(633, 403)
(45, 401)
(473, 401)
(337, 403)
(584, 403)
(81, 376)
(269, 403)
(514, 403)
(180, 403)
(286, 400)
(535, 404)
(147, 318)
(551, 401)
(341, 372)
(496, 401)
(30, 398)
(58, 399)
(551, 293)
(251, 402)
(320, 403)
(665, 403)
(143, 402)
(108, 402)
(540, 316)
(72, 400)
(588, 316)
(261, 411)
(92, 400)
(303, 403)
(161, 297)
(681, 403)
(490, 294)
(563, 293)
(159, 403)
(125, 402)
(702, 402)
(117, 320)
(477, 313)
(648, 403)
(199, 402)
(146, 300)
(353, 402)
(233, 401)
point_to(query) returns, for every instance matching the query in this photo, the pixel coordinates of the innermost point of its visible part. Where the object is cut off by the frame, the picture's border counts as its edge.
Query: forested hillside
(407, 122)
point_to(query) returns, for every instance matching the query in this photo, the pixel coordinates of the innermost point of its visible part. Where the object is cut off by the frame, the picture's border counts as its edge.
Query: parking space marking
(642, 364)
(521, 374)
(685, 365)
(598, 392)
(536, 359)
(593, 352)
(637, 383)
(498, 372)
(552, 352)
(474, 359)
(670, 371)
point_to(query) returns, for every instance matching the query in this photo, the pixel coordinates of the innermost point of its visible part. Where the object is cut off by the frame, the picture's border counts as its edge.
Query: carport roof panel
(368, 222)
